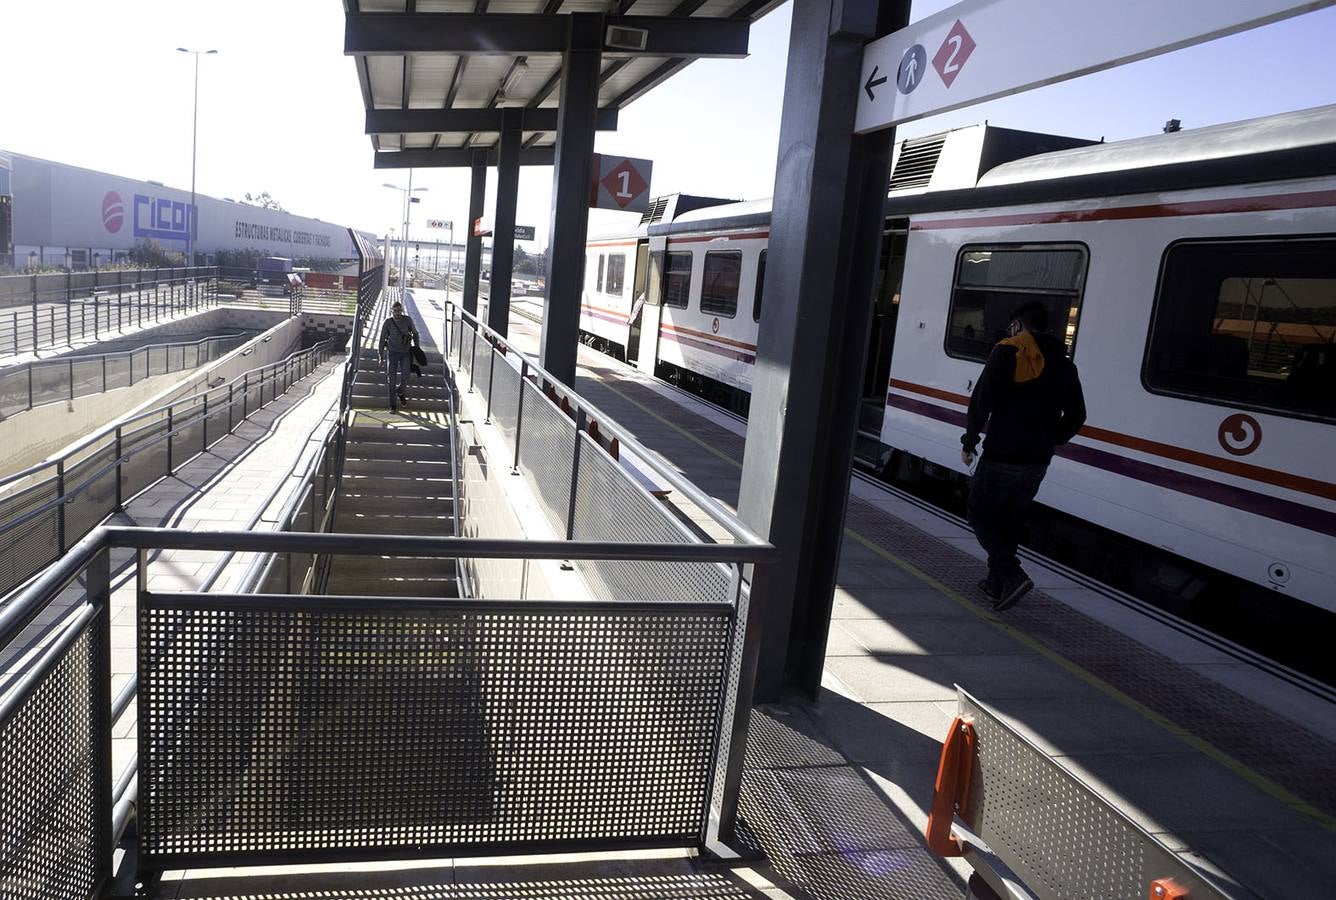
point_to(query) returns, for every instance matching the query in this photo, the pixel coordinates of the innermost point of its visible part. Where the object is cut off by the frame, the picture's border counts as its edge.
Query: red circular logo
(714, 326)
(113, 212)
(1239, 434)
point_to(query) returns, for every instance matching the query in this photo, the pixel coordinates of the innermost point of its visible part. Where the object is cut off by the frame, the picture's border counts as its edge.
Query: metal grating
(49, 821)
(506, 398)
(421, 728)
(483, 368)
(547, 448)
(609, 506)
(30, 545)
(917, 161)
(90, 486)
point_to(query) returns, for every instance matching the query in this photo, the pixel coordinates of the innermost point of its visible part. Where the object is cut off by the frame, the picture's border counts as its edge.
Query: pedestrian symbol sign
(912, 66)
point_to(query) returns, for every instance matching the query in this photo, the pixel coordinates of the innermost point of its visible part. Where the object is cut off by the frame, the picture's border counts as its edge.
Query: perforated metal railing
(1030, 821)
(46, 508)
(29, 385)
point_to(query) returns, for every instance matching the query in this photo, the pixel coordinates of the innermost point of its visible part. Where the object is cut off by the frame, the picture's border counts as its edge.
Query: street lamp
(407, 192)
(193, 225)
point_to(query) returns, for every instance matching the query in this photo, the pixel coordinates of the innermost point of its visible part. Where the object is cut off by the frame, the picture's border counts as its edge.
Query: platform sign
(979, 50)
(441, 224)
(525, 232)
(620, 182)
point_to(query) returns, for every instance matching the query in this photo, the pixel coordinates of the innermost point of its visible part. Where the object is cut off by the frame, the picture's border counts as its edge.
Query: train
(1192, 275)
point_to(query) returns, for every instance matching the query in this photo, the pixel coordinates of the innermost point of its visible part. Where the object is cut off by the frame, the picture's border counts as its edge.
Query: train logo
(1240, 434)
(714, 326)
(113, 212)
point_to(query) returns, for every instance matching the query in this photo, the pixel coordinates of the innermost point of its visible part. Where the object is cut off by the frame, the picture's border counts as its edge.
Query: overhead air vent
(655, 211)
(918, 159)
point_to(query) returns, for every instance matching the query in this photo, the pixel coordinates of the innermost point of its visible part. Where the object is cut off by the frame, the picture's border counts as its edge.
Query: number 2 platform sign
(620, 182)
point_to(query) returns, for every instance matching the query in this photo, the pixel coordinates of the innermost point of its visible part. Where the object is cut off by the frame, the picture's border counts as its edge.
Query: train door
(881, 336)
(638, 300)
(651, 311)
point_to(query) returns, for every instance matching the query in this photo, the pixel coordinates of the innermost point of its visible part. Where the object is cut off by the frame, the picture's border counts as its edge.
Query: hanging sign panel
(620, 182)
(979, 50)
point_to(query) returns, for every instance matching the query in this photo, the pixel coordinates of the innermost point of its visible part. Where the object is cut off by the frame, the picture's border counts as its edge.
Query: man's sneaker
(1013, 589)
(403, 401)
(991, 589)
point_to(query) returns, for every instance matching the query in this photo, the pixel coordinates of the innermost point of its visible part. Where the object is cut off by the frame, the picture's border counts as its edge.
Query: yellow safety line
(1263, 783)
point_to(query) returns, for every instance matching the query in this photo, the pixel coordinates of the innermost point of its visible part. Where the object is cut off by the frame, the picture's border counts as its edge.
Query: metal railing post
(491, 383)
(575, 472)
(97, 582)
(170, 440)
(473, 359)
(245, 395)
(230, 423)
(30, 385)
(34, 314)
(104, 373)
(204, 443)
(71, 398)
(60, 505)
(69, 299)
(120, 464)
(519, 415)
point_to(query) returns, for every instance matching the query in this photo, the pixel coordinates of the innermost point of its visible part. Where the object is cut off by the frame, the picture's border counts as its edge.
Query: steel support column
(473, 243)
(570, 196)
(503, 229)
(825, 232)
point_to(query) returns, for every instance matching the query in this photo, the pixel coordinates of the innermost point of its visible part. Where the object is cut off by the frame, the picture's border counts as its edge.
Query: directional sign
(620, 182)
(524, 232)
(981, 49)
(441, 224)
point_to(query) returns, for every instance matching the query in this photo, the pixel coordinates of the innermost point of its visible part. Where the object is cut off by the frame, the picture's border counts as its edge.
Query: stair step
(374, 583)
(407, 507)
(397, 468)
(420, 452)
(433, 526)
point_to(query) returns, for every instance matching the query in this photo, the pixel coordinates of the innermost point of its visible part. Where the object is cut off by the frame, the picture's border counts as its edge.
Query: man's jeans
(396, 362)
(1000, 493)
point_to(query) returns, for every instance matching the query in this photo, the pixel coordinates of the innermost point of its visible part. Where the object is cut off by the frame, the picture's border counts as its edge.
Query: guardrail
(39, 312)
(46, 508)
(1032, 830)
(50, 381)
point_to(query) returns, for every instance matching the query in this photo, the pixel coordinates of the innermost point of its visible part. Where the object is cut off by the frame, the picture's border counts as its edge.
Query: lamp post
(407, 192)
(193, 225)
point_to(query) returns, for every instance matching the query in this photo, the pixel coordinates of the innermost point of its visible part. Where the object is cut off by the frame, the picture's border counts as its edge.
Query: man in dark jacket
(398, 337)
(1029, 400)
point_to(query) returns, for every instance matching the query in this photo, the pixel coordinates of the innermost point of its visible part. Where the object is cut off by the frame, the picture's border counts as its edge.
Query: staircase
(397, 475)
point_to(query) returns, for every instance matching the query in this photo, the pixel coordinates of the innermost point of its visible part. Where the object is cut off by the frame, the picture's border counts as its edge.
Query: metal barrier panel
(50, 382)
(50, 820)
(157, 361)
(1055, 833)
(547, 451)
(87, 376)
(483, 367)
(118, 372)
(147, 457)
(609, 506)
(13, 392)
(90, 485)
(506, 398)
(31, 539)
(357, 728)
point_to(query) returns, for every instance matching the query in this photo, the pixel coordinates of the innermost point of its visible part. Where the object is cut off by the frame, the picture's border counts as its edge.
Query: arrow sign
(873, 81)
(983, 49)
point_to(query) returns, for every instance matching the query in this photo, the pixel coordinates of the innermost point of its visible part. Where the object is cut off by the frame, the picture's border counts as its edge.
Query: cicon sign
(1239, 434)
(913, 66)
(620, 183)
(113, 212)
(953, 53)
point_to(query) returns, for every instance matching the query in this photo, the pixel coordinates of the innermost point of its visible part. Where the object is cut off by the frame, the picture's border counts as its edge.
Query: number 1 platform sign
(620, 182)
(979, 50)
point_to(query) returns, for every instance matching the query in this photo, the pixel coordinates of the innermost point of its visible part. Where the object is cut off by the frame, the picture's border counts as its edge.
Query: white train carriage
(1195, 288)
(1202, 320)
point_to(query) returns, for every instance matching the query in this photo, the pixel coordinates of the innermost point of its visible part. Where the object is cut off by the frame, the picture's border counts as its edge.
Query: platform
(1227, 764)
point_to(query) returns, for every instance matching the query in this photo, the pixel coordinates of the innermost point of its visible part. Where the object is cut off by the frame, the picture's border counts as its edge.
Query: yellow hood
(1029, 358)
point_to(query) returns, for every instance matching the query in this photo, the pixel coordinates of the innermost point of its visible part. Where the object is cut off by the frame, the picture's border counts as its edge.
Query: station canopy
(437, 76)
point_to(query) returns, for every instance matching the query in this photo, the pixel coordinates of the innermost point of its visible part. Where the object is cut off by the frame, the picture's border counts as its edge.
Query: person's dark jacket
(1025, 419)
(398, 334)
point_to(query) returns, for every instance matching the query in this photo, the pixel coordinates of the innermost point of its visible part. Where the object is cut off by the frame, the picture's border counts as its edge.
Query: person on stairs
(398, 337)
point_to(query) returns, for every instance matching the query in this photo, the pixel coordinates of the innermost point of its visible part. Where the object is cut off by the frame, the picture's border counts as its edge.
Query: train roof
(744, 214)
(1290, 145)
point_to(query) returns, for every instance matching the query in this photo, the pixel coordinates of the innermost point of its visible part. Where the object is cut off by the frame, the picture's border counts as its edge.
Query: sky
(101, 85)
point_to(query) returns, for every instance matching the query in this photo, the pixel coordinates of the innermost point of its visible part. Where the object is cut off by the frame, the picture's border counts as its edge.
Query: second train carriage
(1196, 291)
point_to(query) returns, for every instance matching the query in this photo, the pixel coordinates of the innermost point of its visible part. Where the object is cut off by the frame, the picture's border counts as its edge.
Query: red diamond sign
(953, 53)
(620, 183)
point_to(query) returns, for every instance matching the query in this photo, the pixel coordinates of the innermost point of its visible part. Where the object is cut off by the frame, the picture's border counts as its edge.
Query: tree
(264, 200)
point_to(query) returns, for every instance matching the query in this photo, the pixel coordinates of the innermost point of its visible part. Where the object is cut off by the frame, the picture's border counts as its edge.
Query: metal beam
(570, 198)
(473, 243)
(397, 34)
(825, 235)
(431, 121)
(455, 157)
(503, 223)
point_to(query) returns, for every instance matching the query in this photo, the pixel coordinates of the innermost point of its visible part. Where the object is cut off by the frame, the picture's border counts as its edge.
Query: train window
(599, 286)
(760, 287)
(616, 273)
(1248, 323)
(719, 287)
(677, 280)
(992, 281)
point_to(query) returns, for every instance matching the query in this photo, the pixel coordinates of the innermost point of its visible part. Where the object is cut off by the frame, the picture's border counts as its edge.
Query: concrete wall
(276, 343)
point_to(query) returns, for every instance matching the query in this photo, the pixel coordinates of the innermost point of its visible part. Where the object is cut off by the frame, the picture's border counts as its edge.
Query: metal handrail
(720, 513)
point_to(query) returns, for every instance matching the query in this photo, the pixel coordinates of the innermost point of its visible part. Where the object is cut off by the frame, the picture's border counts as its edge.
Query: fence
(39, 312)
(46, 508)
(1034, 831)
(51, 381)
